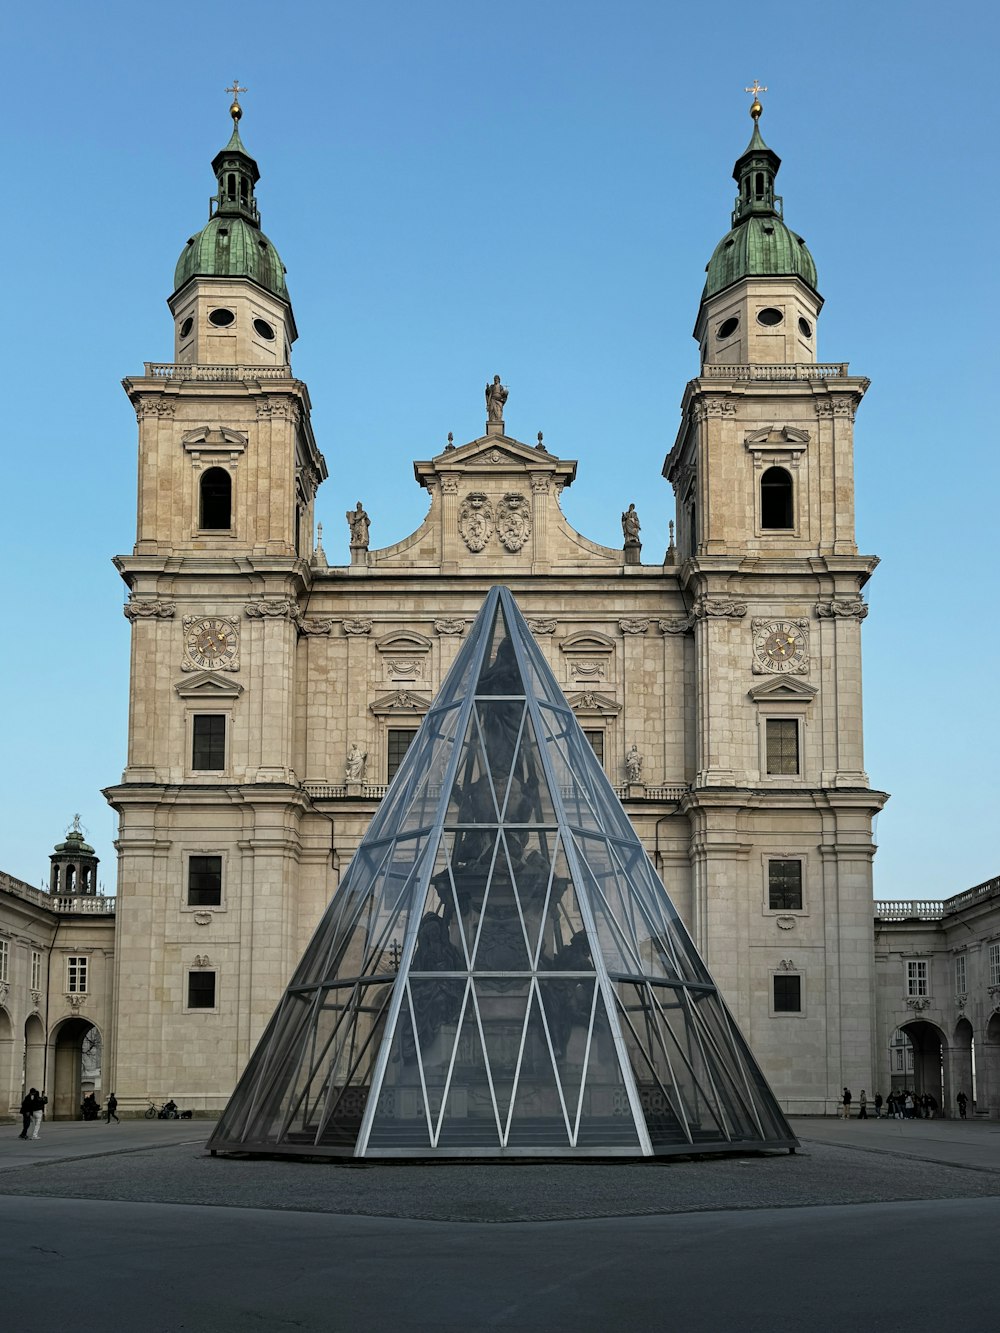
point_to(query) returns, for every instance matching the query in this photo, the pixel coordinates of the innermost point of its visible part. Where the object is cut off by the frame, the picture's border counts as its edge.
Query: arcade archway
(34, 1054)
(69, 1044)
(7, 1090)
(930, 1046)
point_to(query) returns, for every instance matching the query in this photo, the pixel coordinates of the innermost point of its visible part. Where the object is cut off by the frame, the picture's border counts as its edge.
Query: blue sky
(459, 189)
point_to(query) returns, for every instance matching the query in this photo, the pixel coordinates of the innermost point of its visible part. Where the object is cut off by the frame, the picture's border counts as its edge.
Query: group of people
(34, 1104)
(903, 1105)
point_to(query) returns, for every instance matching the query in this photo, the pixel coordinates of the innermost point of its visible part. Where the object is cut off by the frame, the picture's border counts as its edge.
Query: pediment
(400, 703)
(404, 642)
(497, 454)
(783, 687)
(208, 685)
(588, 703)
(214, 440)
(587, 641)
(778, 440)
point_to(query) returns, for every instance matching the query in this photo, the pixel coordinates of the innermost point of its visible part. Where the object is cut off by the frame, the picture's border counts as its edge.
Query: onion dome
(232, 244)
(759, 244)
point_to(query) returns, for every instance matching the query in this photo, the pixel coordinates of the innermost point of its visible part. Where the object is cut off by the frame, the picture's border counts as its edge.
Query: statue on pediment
(359, 523)
(496, 396)
(630, 527)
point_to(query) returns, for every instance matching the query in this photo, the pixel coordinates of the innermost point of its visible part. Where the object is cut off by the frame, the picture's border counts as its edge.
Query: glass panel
(471, 800)
(568, 1005)
(500, 673)
(503, 1008)
(501, 944)
(605, 1117)
(440, 904)
(468, 1119)
(563, 919)
(500, 731)
(400, 1119)
(530, 858)
(423, 783)
(660, 1097)
(537, 1119)
(572, 780)
(529, 800)
(437, 1006)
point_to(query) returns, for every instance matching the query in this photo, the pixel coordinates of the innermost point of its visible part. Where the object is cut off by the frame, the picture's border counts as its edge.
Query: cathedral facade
(272, 696)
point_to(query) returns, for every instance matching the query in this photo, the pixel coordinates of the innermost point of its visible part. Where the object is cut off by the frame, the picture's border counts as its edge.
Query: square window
(201, 990)
(784, 886)
(596, 741)
(782, 744)
(204, 881)
(787, 994)
(208, 749)
(76, 975)
(399, 742)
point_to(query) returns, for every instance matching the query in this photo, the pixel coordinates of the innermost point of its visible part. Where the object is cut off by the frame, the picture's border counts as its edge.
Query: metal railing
(172, 370)
(797, 370)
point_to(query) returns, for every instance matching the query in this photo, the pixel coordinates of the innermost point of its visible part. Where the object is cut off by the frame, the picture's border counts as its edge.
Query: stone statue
(630, 526)
(633, 764)
(359, 522)
(496, 396)
(356, 761)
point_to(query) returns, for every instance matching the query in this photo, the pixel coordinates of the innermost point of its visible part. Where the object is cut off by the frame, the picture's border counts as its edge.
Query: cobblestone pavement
(164, 1163)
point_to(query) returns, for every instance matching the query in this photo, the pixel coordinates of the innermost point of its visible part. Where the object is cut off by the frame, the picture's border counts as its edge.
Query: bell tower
(211, 812)
(781, 809)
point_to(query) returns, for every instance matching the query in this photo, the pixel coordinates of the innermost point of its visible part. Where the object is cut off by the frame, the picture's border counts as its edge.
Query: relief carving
(408, 666)
(311, 625)
(450, 627)
(852, 608)
(675, 625)
(836, 406)
(275, 608)
(540, 484)
(513, 521)
(633, 625)
(449, 482)
(726, 607)
(360, 626)
(155, 407)
(475, 520)
(148, 610)
(542, 625)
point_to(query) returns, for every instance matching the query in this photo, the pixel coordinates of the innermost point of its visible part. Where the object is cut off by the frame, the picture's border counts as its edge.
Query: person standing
(863, 1113)
(846, 1101)
(878, 1106)
(110, 1110)
(962, 1100)
(37, 1102)
(26, 1114)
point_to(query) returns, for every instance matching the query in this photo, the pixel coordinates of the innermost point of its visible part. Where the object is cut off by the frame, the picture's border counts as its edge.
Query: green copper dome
(232, 244)
(759, 245)
(232, 247)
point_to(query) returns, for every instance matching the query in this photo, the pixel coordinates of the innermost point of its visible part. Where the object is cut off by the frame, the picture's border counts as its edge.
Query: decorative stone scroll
(312, 626)
(149, 610)
(362, 625)
(539, 482)
(722, 607)
(713, 407)
(676, 625)
(836, 406)
(634, 625)
(273, 608)
(450, 628)
(513, 521)
(154, 406)
(848, 608)
(542, 625)
(475, 520)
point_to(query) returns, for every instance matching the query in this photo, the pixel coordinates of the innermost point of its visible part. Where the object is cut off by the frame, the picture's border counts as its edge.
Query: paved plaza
(138, 1221)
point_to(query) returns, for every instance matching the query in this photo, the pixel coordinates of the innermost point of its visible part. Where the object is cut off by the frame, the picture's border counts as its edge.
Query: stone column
(540, 524)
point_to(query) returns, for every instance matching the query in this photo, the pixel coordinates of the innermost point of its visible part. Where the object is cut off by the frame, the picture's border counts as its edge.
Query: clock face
(779, 645)
(211, 641)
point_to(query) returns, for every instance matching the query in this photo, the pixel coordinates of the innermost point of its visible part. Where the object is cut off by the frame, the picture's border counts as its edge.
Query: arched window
(216, 499)
(231, 186)
(759, 185)
(69, 880)
(776, 499)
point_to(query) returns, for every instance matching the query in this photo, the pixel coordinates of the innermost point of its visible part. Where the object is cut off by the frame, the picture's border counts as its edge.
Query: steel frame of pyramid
(501, 972)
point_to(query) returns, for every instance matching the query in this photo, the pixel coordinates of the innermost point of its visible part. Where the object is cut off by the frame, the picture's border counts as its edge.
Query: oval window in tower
(805, 328)
(728, 327)
(769, 316)
(263, 330)
(221, 318)
(186, 327)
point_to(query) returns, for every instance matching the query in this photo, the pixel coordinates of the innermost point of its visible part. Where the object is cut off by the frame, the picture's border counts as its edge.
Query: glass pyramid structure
(501, 972)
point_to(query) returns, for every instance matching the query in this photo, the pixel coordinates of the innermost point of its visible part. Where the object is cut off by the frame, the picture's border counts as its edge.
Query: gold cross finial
(756, 108)
(235, 110)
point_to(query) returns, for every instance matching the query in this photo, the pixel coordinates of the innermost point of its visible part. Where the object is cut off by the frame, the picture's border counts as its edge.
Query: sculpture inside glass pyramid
(501, 971)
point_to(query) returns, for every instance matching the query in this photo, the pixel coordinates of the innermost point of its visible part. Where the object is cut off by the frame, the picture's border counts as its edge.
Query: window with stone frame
(204, 886)
(4, 960)
(961, 975)
(76, 974)
(781, 736)
(215, 500)
(916, 978)
(398, 741)
(995, 964)
(784, 885)
(36, 970)
(201, 989)
(208, 742)
(787, 993)
(595, 738)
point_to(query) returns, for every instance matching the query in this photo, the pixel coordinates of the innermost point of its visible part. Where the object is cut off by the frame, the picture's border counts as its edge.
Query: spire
(235, 170)
(755, 171)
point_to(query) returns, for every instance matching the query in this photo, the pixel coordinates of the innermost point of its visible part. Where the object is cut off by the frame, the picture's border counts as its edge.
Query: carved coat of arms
(475, 520)
(513, 521)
